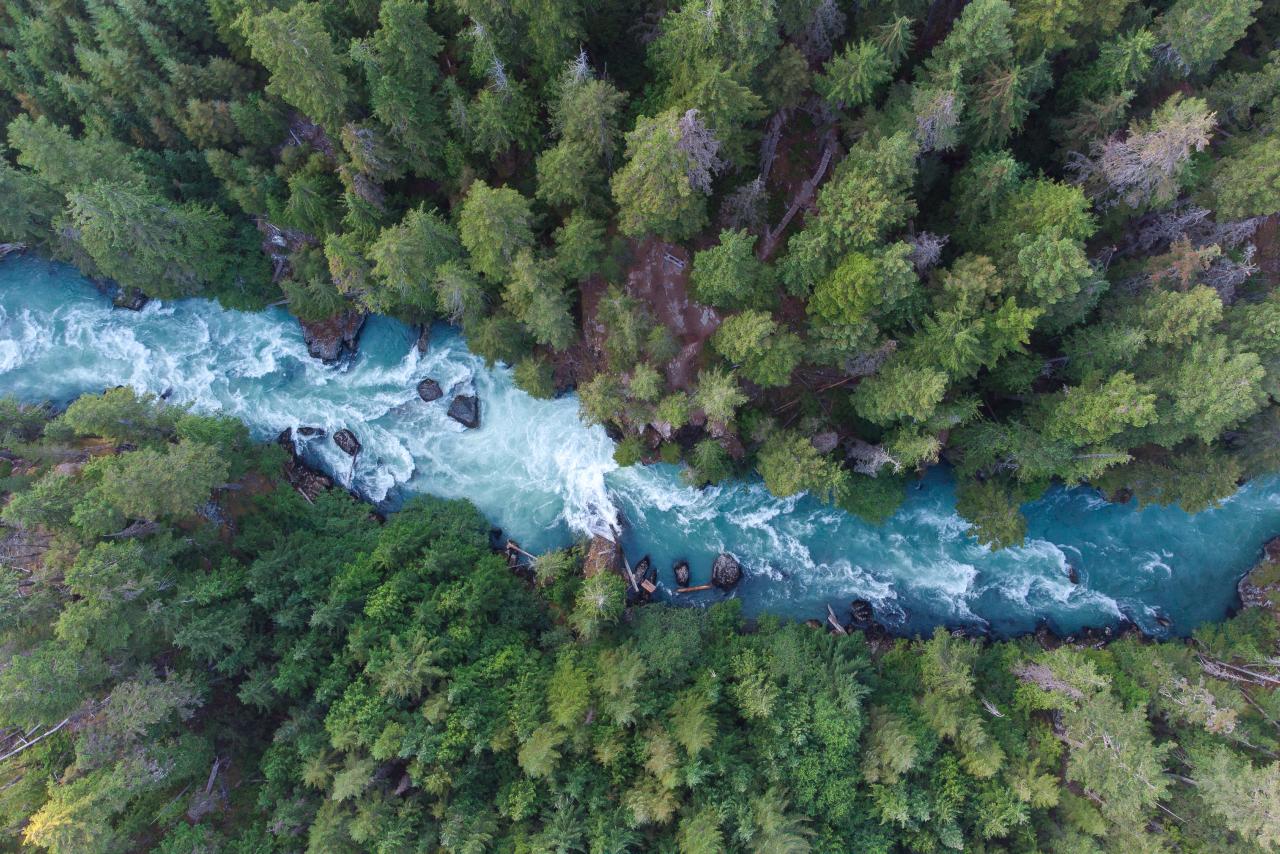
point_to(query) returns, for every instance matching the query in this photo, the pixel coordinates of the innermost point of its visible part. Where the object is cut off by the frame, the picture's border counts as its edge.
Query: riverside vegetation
(825, 242)
(206, 652)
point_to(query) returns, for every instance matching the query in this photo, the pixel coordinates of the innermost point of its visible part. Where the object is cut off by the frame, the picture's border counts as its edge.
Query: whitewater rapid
(537, 472)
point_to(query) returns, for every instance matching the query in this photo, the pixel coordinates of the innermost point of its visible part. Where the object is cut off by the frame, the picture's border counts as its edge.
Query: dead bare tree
(702, 148)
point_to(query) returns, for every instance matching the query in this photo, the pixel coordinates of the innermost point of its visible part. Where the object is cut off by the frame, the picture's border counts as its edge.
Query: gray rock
(825, 443)
(131, 299)
(683, 575)
(310, 432)
(429, 390)
(726, 572)
(347, 441)
(465, 409)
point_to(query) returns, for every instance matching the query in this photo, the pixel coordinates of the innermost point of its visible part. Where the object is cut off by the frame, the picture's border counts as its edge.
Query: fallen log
(835, 622)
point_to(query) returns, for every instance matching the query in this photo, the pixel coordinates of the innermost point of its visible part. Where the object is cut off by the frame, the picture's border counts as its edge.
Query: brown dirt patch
(659, 275)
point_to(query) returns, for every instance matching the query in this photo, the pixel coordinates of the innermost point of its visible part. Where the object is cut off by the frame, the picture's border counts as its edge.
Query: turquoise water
(537, 472)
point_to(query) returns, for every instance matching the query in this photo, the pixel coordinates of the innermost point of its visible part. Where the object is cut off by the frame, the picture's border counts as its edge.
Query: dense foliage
(199, 657)
(1029, 235)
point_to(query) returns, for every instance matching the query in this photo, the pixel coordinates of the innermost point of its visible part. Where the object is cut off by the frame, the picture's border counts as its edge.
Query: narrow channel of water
(537, 472)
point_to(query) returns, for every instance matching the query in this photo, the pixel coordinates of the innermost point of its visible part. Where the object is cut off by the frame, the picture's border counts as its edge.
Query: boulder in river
(682, 573)
(424, 338)
(310, 432)
(130, 298)
(347, 441)
(429, 390)
(1073, 574)
(726, 572)
(465, 409)
(862, 613)
(328, 340)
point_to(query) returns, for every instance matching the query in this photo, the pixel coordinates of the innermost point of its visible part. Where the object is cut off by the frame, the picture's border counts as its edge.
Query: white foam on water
(535, 469)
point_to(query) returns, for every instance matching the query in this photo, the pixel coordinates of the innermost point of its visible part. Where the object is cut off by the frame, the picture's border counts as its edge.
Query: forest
(831, 244)
(206, 651)
(825, 243)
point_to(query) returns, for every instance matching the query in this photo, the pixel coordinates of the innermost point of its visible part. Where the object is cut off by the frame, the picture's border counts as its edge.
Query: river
(536, 471)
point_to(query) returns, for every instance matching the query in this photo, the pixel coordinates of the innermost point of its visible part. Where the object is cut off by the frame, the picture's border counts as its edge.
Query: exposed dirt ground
(663, 283)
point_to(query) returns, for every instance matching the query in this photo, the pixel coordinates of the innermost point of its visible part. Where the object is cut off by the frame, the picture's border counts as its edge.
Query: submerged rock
(465, 409)
(310, 432)
(603, 555)
(329, 340)
(429, 390)
(347, 441)
(726, 572)
(682, 573)
(1073, 574)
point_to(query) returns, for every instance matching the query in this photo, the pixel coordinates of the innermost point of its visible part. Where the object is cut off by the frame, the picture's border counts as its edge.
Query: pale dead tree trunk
(835, 623)
(140, 528)
(26, 744)
(868, 459)
(769, 146)
(806, 196)
(702, 149)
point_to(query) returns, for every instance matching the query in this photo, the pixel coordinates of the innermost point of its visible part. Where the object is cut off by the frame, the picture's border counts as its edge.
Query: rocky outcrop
(301, 476)
(424, 338)
(429, 390)
(465, 409)
(329, 340)
(603, 555)
(726, 572)
(1261, 587)
(131, 299)
(347, 441)
(682, 573)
